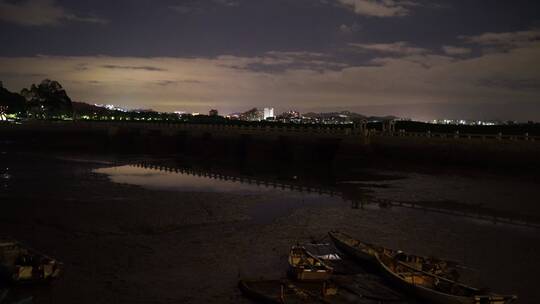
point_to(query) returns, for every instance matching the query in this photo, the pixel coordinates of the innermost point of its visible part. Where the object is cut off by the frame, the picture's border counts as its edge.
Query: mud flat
(128, 243)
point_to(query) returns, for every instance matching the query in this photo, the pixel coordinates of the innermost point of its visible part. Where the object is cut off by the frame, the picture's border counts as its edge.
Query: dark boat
(277, 291)
(427, 278)
(293, 292)
(304, 266)
(20, 264)
(367, 254)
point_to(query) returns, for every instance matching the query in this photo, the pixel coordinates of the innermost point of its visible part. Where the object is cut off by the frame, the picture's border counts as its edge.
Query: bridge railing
(458, 135)
(337, 131)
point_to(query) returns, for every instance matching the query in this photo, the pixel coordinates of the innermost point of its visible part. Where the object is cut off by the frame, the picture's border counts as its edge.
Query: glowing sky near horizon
(418, 59)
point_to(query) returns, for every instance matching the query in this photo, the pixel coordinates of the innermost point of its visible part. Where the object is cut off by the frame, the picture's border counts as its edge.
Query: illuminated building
(268, 113)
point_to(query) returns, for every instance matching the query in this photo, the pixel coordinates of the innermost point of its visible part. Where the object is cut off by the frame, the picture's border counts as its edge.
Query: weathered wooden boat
(304, 266)
(367, 254)
(21, 264)
(293, 292)
(327, 252)
(277, 291)
(369, 286)
(425, 278)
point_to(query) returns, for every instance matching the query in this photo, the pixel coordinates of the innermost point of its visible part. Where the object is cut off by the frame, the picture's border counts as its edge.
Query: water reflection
(293, 194)
(166, 178)
(282, 197)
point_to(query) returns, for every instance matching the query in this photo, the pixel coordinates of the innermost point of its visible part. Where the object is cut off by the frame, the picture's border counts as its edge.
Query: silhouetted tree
(47, 100)
(11, 103)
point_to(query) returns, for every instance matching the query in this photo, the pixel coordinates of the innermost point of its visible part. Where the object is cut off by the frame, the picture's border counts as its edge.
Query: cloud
(512, 84)
(379, 8)
(505, 39)
(348, 29)
(396, 48)
(227, 2)
(280, 61)
(456, 51)
(201, 6)
(72, 17)
(165, 83)
(39, 13)
(230, 85)
(126, 67)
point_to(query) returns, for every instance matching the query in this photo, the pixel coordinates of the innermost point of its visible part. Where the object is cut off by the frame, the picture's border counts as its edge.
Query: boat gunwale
(324, 267)
(376, 259)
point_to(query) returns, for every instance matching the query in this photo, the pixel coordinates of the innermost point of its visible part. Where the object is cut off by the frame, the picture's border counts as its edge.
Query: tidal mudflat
(158, 234)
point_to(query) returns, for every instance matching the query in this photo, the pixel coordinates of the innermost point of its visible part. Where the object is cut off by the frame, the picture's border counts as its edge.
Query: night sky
(420, 59)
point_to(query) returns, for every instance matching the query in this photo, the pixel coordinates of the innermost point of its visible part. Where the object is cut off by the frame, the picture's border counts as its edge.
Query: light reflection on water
(276, 199)
(196, 182)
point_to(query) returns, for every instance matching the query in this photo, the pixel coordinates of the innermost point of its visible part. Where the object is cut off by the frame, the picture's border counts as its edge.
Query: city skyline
(475, 60)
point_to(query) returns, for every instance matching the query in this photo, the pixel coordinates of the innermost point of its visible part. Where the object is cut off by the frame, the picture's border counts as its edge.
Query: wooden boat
(304, 266)
(293, 292)
(425, 278)
(277, 291)
(326, 252)
(21, 264)
(367, 254)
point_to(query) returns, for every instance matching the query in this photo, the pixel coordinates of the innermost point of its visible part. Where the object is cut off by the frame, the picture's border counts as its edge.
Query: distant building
(111, 107)
(290, 115)
(268, 113)
(252, 115)
(234, 115)
(213, 113)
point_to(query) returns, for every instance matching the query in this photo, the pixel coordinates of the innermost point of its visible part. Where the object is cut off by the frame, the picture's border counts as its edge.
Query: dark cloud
(350, 29)
(516, 39)
(40, 13)
(165, 83)
(398, 48)
(81, 67)
(456, 51)
(16, 74)
(190, 6)
(127, 67)
(380, 8)
(512, 84)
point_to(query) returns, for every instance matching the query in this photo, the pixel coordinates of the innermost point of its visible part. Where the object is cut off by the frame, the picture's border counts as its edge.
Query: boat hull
(429, 295)
(304, 266)
(362, 257)
(419, 291)
(303, 275)
(19, 264)
(291, 292)
(281, 291)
